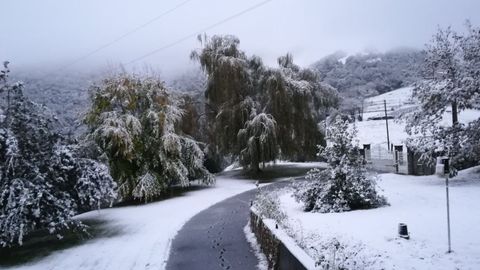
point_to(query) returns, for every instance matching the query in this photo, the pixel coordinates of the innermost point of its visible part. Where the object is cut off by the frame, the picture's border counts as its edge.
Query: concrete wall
(278, 254)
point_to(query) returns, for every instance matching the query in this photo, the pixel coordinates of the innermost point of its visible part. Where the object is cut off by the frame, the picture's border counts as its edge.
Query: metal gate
(380, 159)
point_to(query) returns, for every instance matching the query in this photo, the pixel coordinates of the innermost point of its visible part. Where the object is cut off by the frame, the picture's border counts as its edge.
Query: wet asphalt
(214, 238)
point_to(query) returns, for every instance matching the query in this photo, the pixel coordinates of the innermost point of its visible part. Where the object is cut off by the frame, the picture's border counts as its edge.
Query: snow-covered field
(143, 233)
(417, 201)
(374, 132)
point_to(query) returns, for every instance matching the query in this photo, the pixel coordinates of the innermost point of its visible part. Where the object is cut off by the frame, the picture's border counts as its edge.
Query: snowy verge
(420, 202)
(139, 237)
(290, 244)
(252, 240)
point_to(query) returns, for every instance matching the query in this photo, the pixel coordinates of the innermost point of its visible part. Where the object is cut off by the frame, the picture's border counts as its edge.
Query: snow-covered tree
(259, 140)
(344, 185)
(238, 86)
(43, 182)
(228, 85)
(134, 122)
(451, 83)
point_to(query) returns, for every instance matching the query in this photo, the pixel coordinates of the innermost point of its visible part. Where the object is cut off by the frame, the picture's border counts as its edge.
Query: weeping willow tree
(227, 87)
(134, 120)
(259, 141)
(291, 97)
(306, 98)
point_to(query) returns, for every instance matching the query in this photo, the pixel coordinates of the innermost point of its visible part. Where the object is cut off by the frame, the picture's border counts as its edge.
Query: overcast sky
(55, 32)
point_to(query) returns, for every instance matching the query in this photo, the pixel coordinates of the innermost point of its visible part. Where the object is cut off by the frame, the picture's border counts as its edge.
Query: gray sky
(55, 32)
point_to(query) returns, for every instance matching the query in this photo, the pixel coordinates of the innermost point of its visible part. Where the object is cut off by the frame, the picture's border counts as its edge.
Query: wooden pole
(386, 123)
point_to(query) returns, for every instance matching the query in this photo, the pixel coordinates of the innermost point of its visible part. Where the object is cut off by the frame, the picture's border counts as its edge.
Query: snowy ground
(138, 237)
(398, 101)
(142, 233)
(420, 203)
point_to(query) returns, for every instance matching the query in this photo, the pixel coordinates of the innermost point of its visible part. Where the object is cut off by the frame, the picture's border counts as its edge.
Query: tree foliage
(451, 82)
(238, 87)
(344, 185)
(134, 121)
(259, 140)
(43, 182)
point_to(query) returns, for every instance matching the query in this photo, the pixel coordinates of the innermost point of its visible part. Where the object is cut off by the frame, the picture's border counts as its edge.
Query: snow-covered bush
(344, 184)
(134, 122)
(43, 183)
(267, 205)
(336, 254)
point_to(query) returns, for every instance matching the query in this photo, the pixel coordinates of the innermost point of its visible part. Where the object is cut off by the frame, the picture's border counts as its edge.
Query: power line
(134, 30)
(199, 31)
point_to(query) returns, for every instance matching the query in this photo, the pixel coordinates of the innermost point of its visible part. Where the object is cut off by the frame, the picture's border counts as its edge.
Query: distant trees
(43, 180)
(451, 82)
(238, 87)
(134, 121)
(369, 74)
(344, 185)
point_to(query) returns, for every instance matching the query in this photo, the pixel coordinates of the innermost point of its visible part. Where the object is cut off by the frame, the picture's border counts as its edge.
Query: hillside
(369, 74)
(398, 102)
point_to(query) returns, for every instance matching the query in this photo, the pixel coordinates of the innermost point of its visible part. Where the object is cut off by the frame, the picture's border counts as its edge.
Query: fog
(51, 34)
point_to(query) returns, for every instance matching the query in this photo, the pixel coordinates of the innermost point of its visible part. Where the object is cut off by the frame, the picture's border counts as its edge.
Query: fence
(380, 159)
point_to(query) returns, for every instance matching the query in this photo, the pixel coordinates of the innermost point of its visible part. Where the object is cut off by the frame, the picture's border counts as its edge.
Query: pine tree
(134, 121)
(344, 185)
(43, 182)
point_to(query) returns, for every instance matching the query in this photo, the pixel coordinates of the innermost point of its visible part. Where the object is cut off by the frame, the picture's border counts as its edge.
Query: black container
(403, 231)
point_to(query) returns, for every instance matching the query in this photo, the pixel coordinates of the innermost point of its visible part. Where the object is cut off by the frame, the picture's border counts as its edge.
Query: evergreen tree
(344, 185)
(43, 182)
(134, 121)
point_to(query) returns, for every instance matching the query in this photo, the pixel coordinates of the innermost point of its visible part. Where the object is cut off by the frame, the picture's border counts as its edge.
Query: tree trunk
(454, 113)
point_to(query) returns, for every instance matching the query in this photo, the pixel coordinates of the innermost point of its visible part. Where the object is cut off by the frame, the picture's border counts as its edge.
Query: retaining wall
(281, 251)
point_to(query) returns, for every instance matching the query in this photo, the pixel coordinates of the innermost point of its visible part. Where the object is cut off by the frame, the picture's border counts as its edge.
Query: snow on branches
(451, 85)
(42, 181)
(133, 120)
(344, 185)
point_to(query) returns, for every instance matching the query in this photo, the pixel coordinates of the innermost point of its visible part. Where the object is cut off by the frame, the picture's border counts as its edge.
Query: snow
(290, 244)
(252, 240)
(420, 202)
(141, 234)
(398, 101)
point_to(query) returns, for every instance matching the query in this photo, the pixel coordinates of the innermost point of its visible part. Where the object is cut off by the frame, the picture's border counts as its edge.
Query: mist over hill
(368, 74)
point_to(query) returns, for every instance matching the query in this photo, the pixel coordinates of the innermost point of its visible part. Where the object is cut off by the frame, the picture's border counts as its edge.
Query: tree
(259, 140)
(300, 90)
(238, 87)
(344, 184)
(228, 85)
(43, 182)
(134, 121)
(450, 82)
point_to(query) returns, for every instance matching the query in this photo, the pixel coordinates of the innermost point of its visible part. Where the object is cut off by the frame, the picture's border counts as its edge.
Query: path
(214, 238)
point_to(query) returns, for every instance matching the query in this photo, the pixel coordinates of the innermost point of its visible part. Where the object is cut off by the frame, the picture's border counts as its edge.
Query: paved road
(214, 238)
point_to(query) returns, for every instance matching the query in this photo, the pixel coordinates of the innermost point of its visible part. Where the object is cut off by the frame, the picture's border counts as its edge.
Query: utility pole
(386, 123)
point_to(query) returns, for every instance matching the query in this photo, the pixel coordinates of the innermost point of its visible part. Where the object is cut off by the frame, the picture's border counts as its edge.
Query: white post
(446, 171)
